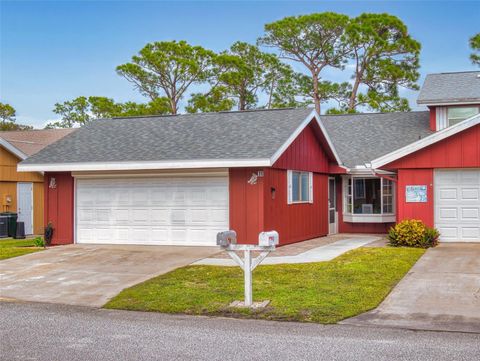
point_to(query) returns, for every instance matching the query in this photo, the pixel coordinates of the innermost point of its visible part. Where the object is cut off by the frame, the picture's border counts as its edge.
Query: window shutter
(289, 187)
(310, 184)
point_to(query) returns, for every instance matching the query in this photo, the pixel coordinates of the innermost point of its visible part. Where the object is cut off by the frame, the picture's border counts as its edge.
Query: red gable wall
(461, 150)
(263, 206)
(305, 153)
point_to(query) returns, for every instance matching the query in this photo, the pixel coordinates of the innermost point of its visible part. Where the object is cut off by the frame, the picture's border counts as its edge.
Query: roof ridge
(373, 113)
(33, 130)
(455, 72)
(206, 113)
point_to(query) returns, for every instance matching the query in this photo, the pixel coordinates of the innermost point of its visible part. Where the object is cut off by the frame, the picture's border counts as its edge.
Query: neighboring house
(23, 192)
(181, 179)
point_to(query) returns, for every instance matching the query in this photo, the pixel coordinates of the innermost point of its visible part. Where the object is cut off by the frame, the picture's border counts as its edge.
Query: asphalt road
(55, 332)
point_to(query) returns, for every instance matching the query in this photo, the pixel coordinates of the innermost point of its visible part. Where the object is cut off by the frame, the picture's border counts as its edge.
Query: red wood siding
(433, 118)
(461, 150)
(305, 153)
(348, 227)
(252, 208)
(422, 211)
(246, 204)
(59, 206)
(295, 222)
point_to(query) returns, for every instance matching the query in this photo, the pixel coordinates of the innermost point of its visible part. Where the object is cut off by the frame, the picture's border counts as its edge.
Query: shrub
(412, 233)
(39, 242)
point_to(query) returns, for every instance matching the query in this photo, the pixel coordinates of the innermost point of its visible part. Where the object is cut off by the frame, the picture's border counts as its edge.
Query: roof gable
(308, 152)
(450, 88)
(12, 149)
(226, 139)
(359, 138)
(434, 139)
(29, 142)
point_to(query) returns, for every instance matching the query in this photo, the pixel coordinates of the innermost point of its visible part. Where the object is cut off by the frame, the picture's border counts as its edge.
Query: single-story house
(181, 179)
(23, 192)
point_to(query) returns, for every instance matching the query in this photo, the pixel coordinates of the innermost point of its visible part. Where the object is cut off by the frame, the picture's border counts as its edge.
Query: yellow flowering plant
(413, 233)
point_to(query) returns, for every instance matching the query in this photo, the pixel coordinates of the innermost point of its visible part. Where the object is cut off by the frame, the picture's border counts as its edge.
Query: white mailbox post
(266, 244)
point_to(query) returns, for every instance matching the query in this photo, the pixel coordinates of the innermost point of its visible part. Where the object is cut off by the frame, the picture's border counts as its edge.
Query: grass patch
(10, 247)
(324, 292)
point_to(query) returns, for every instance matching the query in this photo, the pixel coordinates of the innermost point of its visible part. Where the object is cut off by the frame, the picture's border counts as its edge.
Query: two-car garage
(457, 204)
(190, 210)
(157, 210)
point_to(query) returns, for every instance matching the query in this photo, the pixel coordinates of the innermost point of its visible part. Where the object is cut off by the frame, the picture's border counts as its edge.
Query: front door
(25, 205)
(332, 207)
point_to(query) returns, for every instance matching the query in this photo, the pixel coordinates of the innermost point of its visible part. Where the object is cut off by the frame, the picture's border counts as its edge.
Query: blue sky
(52, 51)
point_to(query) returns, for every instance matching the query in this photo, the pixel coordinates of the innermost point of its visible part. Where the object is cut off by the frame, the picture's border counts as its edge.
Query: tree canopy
(377, 46)
(475, 45)
(316, 41)
(350, 63)
(7, 113)
(8, 120)
(239, 75)
(81, 110)
(168, 69)
(385, 57)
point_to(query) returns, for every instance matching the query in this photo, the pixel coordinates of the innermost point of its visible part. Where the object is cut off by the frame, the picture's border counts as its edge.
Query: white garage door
(151, 211)
(457, 205)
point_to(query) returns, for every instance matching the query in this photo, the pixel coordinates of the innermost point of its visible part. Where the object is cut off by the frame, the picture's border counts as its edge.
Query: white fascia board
(114, 166)
(12, 149)
(425, 142)
(432, 103)
(296, 133)
(368, 172)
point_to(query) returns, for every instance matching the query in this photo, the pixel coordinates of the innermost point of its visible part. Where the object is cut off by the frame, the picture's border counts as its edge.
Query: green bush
(39, 242)
(413, 233)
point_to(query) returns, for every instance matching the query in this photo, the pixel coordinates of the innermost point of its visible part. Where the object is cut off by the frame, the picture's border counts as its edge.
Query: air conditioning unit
(3, 227)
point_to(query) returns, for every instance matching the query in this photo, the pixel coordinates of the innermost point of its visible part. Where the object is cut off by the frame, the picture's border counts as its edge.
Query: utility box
(268, 239)
(226, 238)
(3, 226)
(12, 222)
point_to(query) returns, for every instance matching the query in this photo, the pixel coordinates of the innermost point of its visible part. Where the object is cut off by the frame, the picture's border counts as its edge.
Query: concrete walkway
(441, 292)
(89, 275)
(318, 254)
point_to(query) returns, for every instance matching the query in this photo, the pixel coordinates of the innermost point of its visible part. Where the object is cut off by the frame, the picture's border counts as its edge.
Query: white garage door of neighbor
(151, 211)
(457, 205)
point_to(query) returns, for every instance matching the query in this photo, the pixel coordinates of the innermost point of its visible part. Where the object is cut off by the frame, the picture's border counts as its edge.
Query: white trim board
(12, 149)
(169, 164)
(425, 142)
(431, 103)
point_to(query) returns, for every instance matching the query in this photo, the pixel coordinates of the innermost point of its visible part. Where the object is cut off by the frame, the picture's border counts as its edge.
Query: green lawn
(10, 247)
(324, 292)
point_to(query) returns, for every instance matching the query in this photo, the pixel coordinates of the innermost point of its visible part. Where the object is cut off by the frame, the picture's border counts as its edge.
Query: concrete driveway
(89, 275)
(441, 292)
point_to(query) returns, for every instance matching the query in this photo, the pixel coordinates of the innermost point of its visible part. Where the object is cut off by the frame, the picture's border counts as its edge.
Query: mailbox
(268, 239)
(226, 238)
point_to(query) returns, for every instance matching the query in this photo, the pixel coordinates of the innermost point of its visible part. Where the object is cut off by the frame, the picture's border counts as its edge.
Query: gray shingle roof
(361, 138)
(209, 136)
(450, 88)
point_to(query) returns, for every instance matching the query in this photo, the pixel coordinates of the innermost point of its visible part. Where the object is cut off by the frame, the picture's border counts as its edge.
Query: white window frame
(459, 119)
(290, 187)
(348, 200)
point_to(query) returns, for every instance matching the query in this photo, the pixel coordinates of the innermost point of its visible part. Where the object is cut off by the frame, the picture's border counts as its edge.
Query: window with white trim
(369, 195)
(300, 187)
(459, 114)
